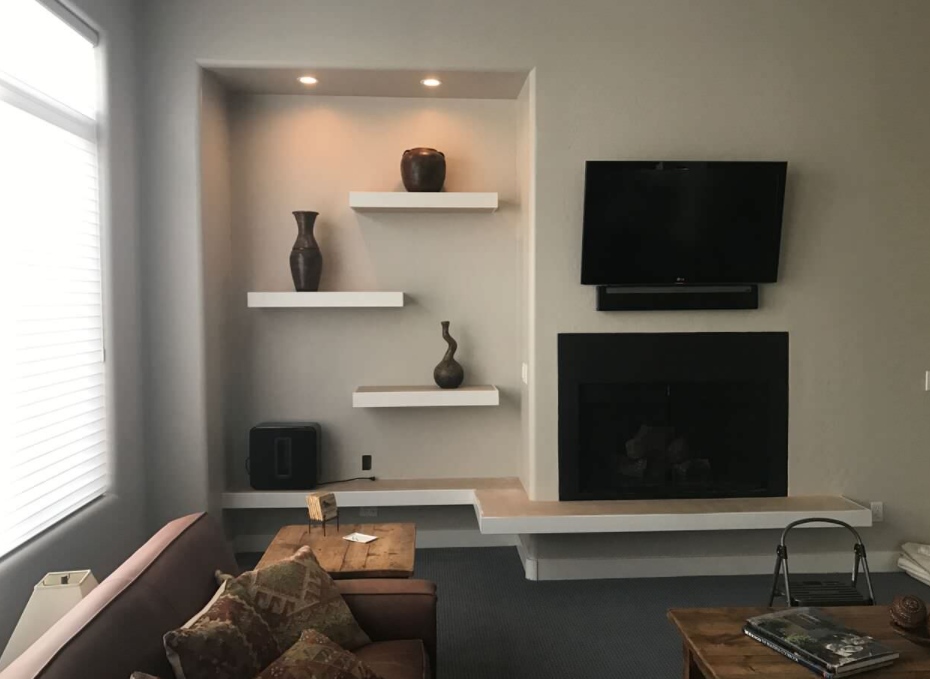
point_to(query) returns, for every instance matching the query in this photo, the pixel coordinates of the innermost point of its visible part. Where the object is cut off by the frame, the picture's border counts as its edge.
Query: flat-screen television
(685, 223)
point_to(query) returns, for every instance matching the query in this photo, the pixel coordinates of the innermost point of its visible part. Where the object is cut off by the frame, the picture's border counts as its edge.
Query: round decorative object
(908, 612)
(449, 374)
(423, 170)
(306, 258)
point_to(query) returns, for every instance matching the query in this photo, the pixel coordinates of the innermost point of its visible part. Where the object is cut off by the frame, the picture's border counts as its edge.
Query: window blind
(53, 429)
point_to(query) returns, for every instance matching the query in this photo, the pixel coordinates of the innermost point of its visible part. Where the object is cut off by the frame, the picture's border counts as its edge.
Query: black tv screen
(663, 222)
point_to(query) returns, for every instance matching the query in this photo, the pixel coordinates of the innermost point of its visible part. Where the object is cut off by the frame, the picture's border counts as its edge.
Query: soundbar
(676, 297)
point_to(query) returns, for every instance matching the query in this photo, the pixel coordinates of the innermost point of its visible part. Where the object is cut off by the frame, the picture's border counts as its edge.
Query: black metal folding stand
(822, 592)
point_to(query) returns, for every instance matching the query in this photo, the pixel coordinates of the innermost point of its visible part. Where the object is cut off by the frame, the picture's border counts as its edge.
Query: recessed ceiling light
(431, 82)
(307, 80)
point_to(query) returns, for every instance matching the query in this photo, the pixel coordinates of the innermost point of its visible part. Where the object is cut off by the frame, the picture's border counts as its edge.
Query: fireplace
(673, 415)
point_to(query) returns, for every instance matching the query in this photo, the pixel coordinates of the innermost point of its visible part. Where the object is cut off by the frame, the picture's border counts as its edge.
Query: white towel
(918, 554)
(912, 568)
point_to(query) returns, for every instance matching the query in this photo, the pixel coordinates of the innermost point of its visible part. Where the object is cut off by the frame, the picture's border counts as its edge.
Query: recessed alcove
(271, 146)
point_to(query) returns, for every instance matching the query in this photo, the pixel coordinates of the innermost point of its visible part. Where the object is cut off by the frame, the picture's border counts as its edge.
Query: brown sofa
(118, 628)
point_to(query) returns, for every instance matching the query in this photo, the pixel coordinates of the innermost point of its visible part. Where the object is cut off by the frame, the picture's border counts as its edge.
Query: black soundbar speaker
(284, 456)
(676, 297)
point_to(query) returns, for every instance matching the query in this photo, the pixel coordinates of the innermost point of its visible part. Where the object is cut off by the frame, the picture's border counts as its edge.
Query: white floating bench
(332, 300)
(502, 507)
(397, 201)
(509, 511)
(424, 397)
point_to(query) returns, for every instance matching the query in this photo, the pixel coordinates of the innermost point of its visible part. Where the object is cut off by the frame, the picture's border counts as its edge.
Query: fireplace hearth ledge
(509, 511)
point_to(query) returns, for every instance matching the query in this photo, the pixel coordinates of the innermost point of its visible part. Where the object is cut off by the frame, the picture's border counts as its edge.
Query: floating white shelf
(397, 201)
(502, 507)
(333, 300)
(380, 493)
(424, 397)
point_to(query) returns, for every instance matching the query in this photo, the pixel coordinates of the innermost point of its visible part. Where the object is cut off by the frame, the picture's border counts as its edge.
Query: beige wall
(836, 87)
(216, 205)
(307, 153)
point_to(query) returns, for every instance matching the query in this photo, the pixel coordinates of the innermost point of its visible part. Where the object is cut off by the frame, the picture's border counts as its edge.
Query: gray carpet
(495, 623)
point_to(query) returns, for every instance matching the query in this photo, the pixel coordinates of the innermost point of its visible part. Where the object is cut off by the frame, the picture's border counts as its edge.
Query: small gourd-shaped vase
(306, 258)
(449, 374)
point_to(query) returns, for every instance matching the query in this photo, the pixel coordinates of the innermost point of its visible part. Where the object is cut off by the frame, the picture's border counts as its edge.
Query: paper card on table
(360, 537)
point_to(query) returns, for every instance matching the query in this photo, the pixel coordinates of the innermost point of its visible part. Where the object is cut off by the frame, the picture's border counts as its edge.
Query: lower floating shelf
(424, 397)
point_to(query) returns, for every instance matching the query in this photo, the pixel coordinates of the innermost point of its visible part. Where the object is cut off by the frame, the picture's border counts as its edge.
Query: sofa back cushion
(118, 628)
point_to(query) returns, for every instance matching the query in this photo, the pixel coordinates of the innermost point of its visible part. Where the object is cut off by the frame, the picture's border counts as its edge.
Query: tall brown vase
(306, 258)
(449, 374)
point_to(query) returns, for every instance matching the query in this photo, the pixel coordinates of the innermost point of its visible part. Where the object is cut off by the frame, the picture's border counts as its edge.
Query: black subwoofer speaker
(284, 456)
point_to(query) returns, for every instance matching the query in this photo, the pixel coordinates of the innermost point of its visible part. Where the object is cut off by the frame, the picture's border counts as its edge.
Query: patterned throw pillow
(229, 640)
(296, 594)
(314, 656)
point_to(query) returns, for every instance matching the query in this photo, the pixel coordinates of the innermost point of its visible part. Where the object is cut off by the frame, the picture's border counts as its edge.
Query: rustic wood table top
(716, 648)
(390, 556)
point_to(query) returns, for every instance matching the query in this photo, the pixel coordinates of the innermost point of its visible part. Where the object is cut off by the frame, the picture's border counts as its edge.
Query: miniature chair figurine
(822, 592)
(321, 508)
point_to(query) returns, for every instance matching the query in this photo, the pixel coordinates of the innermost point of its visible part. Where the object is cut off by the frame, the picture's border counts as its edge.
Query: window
(53, 434)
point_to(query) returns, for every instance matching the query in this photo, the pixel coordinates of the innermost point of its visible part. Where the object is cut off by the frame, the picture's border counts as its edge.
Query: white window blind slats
(28, 526)
(55, 409)
(77, 493)
(52, 379)
(36, 492)
(60, 448)
(53, 428)
(90, 443)
(60, 388)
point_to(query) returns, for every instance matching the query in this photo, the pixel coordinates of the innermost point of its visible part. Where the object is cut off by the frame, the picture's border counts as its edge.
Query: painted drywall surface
(306, 153)
(526, 178)
(103, 534)
(216, 218)
(832, 87)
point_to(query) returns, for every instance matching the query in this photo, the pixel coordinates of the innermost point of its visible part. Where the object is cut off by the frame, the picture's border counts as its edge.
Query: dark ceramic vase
(449, 374)
(423, 170)
(306, 258)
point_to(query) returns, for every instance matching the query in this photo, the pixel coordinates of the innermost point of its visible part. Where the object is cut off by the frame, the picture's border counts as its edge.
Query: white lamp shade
(55, 595)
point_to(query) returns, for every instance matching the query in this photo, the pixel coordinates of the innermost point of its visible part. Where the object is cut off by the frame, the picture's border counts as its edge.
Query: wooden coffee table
(390, 556)
(715, 646)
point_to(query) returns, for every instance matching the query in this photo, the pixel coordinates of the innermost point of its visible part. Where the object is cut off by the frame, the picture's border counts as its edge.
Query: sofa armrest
(390, 609)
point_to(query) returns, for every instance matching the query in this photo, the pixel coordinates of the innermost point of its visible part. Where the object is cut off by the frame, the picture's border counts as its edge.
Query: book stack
(811, 638)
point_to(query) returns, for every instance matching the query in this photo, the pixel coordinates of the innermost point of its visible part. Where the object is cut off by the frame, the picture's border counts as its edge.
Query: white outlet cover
(525, 373)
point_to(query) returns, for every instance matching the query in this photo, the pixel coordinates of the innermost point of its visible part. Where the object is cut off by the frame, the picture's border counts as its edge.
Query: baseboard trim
(678, 566)
(426, 539)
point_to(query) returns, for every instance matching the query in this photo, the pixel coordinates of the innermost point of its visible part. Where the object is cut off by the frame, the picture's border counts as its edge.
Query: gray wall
(103, 534)
(308, 153)
(837, 88)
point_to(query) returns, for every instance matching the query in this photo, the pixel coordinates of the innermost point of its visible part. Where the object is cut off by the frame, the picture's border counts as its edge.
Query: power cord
(356, 478)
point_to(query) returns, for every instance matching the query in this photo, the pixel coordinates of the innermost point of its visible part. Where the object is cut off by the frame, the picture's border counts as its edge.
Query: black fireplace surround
(673, 415)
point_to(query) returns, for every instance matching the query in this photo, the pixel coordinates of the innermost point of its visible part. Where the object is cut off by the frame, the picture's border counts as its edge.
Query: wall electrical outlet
(525, 373)
(368, 512)
(927, 380)
(878, 512)
(366, 463)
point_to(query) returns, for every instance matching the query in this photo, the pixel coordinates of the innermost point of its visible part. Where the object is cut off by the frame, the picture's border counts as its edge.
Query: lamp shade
(55, 595)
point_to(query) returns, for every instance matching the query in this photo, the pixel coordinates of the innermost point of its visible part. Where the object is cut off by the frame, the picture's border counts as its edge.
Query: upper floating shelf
(332, 300)
(399, 201)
